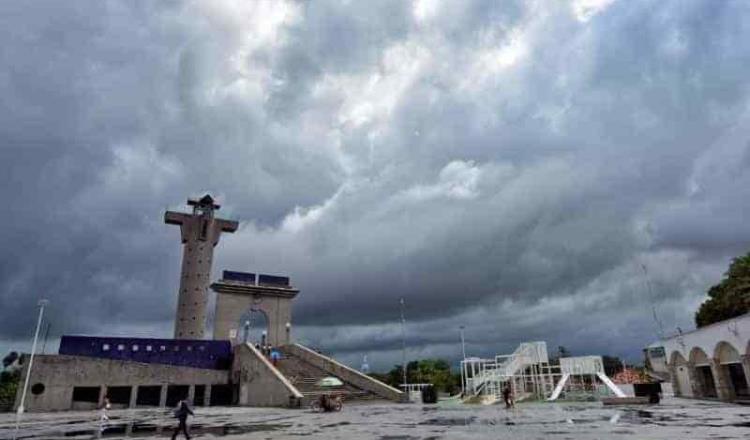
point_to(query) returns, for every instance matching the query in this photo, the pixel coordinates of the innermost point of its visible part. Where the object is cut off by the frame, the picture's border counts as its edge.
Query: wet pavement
(673, 419)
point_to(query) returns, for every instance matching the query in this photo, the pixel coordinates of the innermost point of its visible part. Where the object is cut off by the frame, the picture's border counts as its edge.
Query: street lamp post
(247, 330)
(463, 342)
(403, 345)
(41, 304)
(463, 352)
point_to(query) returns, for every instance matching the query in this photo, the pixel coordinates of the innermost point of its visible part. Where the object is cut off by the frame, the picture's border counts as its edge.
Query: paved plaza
(673, 419)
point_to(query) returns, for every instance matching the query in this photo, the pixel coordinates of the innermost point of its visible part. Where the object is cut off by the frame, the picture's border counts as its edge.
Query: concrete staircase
(305, 377)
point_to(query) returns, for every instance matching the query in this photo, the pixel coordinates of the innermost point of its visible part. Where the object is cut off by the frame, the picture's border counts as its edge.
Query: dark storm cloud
(505, 166)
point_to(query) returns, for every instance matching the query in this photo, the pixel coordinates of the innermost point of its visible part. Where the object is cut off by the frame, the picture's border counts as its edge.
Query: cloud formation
(507, 166)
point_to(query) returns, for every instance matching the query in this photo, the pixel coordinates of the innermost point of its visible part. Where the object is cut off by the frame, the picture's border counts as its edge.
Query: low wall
(260, 383)
(345, 373)
(58, 375)
(626, 388)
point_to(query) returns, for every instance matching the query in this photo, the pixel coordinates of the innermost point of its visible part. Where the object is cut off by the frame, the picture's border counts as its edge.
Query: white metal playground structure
(530, 376)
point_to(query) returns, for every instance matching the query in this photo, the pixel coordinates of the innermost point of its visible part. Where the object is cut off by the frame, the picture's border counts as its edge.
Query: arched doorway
(730, 368)
(253, 327)
(703, 374)
(238, 292)
(680, 368)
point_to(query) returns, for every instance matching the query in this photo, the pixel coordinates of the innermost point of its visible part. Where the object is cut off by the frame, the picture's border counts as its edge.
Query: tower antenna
(659, 325)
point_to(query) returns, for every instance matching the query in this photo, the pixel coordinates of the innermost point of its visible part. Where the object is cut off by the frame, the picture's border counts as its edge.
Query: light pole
(461, 364)
(463, 342)
(41, 304)
(247, 330)
(288, 332)
(403, 344)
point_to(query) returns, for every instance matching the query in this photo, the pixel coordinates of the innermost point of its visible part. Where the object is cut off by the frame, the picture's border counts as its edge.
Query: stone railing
(260, 383)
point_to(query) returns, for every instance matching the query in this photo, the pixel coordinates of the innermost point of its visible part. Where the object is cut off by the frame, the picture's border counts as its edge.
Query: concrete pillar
(102, 394)
(207, 396)
(723, 384)
(696, 382)
(191, 393)
(745, 359)
(163, 396)
(675, 383)
(133, 396)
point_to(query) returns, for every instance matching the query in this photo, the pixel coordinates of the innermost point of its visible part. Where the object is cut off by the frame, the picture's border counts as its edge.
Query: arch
(731, 371)
(698, 357)
(705, 385)
(725, 353)
(235, 297)
(253, 325)
(677, 359)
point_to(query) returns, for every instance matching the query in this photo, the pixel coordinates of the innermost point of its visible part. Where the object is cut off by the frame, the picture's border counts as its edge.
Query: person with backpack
(181, 413)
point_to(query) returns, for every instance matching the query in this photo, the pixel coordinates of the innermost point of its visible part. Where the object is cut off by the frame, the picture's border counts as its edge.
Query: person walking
(508, 396)
(181, 413)
(103, 416)
(106, 405)
(275, 356)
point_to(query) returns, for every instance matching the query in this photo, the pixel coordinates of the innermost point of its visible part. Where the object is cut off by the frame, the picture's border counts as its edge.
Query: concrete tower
(200, 233)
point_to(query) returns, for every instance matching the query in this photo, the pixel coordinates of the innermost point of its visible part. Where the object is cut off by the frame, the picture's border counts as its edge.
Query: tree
(612, 365)
(9, 359)
(434, 371)
(561, 353)
(729, 298)
(8, 382)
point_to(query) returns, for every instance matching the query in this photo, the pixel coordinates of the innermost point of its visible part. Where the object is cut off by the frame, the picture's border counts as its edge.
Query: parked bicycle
(327, 403)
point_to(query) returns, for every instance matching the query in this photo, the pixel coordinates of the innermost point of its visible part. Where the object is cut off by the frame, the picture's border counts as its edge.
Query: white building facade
(712, 362)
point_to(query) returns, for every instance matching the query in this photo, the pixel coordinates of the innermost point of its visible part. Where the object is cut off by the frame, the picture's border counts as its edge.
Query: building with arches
(712, 362)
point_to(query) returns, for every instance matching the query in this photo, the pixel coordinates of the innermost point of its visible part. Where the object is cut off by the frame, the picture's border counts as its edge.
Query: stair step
(305, 377)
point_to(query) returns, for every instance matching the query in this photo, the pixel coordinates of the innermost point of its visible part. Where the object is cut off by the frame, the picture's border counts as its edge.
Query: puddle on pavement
(333, 425)
(623, 418)
(136, 429)
(149, 429)
(398, 437)
(559, 421)
(443, 421)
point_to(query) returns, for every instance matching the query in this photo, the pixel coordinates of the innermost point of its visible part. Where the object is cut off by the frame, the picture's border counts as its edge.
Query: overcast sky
(507, 166)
